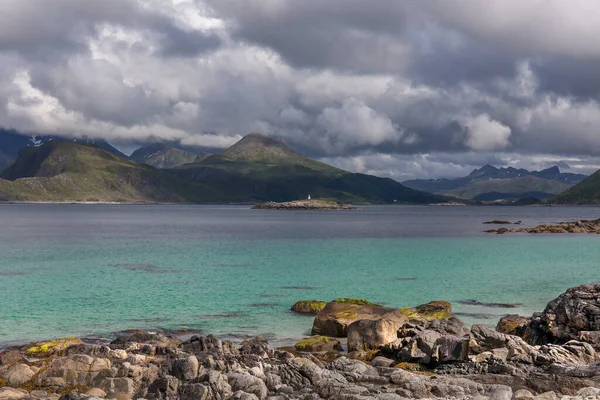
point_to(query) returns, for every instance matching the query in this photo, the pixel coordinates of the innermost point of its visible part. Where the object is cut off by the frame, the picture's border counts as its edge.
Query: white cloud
(484, 133)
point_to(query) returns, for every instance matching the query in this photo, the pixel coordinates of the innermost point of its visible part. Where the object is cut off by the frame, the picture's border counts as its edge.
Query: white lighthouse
(309, 197)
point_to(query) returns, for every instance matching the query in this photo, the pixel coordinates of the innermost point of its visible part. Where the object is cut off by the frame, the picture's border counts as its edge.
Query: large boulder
(316, 344)
(18, 374)
(334, 319)
(513, 324)
(308, 306)
(564, 318)
(370, 334)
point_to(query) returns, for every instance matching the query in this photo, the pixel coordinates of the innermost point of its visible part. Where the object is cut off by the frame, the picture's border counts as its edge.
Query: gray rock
(240, 395)
(382, 362)
(371, 334)
(546, 396)
(523, 394)
(450, 349)
(577, 310)
(501, 392)
(194, 391)
(18, 374)
(185, 368)
(589, 392)
(7, 393)
(243, 381)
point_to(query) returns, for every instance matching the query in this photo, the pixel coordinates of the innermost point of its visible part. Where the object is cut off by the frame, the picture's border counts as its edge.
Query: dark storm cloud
(397, 88)
(346, 34)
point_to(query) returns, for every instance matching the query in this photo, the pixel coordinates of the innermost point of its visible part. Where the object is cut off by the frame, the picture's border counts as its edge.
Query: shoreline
(391, 354)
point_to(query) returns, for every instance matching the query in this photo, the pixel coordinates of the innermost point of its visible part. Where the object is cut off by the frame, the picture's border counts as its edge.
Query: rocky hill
(259, 168)
(165, 155)
(61, 171)
(585, 192)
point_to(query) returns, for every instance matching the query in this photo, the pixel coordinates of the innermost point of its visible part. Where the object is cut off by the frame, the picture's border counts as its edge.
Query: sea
(96, 270)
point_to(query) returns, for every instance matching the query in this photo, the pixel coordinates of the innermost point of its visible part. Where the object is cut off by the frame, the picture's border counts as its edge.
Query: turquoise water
(95, 270)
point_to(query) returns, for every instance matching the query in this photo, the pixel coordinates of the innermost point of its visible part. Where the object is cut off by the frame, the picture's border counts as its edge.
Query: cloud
(396, 88)
(483, 133)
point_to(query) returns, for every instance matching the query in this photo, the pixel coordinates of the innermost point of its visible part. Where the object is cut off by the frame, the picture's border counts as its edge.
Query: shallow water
(93, 269)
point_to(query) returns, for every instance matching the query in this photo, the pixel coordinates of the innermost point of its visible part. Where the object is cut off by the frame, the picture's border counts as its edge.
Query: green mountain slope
(73, 172)
(162, 155)
(260, 168)
(585, 192)
(522, 184)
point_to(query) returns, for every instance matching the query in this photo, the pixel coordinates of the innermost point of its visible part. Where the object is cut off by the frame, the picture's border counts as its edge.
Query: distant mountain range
(256, 169)
(491, 184)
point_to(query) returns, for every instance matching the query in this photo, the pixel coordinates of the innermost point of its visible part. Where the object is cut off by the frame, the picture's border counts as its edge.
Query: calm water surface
(95, 269)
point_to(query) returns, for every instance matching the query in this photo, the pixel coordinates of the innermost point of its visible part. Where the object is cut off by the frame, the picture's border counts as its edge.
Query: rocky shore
(583, 226)
(305, 205)
(393, 354)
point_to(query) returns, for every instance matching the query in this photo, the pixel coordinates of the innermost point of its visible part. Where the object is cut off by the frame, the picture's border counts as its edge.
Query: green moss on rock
(52, 346)
(318, 344)
(355, 301)
(308, 306)
(431, 311)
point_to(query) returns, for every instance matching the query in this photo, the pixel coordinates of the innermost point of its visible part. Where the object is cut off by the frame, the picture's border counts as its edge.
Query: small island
(582, 226)
(305, 205)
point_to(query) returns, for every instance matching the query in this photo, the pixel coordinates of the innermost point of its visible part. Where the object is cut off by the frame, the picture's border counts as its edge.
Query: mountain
(67, 171)
(585, 192)
(165, 155)
(260, 168)
(522, 186)
(12, 141)
(494, 183)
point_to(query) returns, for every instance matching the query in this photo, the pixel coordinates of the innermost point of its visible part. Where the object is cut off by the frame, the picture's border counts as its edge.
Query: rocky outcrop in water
(416, 353)
(583, 226)
(305, 205)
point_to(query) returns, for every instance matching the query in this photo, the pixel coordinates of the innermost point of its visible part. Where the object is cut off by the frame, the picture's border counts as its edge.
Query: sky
(405, 89)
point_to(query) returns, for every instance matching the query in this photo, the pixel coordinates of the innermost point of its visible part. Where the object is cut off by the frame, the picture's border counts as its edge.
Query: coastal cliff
(396, 354)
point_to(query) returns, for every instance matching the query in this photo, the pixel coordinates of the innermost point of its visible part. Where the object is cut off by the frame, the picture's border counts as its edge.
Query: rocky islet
(420, 352)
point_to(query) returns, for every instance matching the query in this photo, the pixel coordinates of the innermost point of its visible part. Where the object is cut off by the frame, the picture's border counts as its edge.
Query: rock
(75, 370)
(11, 356)
(247, 383)
(485, 339)
(305, 205)
(572, 352)
(592, 338)
(513, 324)
(382, 362)
(356, 301)
(372, 334)
(308, 306)
(589, 392)
(244, 396)
(334, 319)
(577, 310)
(501, 392)
(450, 348)
(319, 344)
(195, 391)
(433, 310)
(45, 349)
(185, 368)
(546, 396)
(95, 392)
(523, 394)
(18, 374)
(7, 393)
(164, 388)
